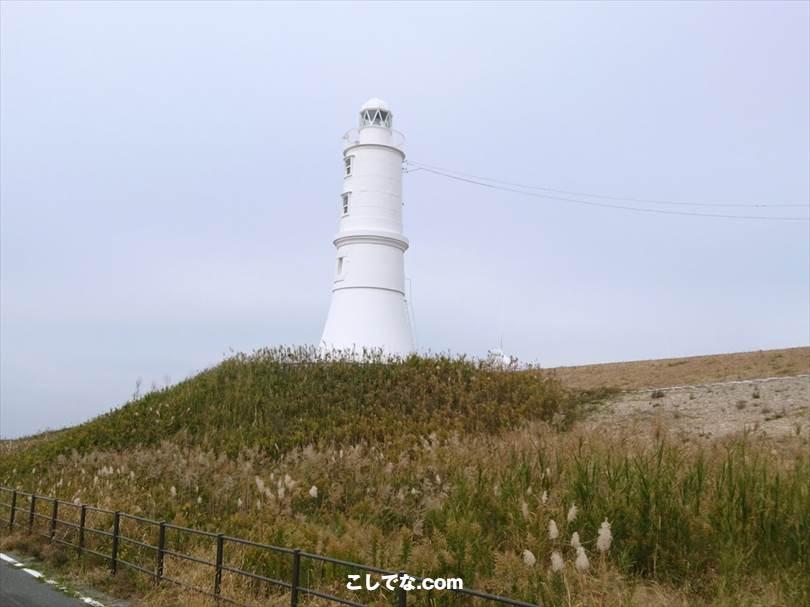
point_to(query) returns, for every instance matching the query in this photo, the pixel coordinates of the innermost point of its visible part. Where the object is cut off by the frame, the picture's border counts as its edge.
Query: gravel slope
(777, 407)
(688, 371)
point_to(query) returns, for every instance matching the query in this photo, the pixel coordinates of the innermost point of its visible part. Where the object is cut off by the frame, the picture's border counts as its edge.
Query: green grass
(275, 400)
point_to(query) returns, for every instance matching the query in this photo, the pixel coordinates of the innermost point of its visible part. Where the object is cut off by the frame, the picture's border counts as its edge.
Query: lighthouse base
(368, 319)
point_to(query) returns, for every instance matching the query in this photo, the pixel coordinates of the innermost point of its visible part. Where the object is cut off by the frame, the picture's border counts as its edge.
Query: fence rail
(300, 561)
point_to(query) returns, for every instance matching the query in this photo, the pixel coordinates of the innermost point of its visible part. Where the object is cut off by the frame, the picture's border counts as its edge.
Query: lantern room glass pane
(375, 117)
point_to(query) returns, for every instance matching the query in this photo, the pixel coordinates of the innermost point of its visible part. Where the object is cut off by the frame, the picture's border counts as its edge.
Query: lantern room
(375, 112)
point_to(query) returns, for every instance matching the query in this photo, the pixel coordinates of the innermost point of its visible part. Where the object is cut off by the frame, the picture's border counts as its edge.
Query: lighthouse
(369, 310)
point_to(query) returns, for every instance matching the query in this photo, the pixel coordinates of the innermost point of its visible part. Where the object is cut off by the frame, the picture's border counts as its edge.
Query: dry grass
(722, 522)
(666, 372)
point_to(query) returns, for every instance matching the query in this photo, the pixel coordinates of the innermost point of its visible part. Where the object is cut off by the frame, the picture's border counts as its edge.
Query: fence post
(54, 512)
(116, 528)
(218, 574)
(160, 551)
(296, 572)
(82, 517)
(401, 596)
(31, 513)
(13, 510)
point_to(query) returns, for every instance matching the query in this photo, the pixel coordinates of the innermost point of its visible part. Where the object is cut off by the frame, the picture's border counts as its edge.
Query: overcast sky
(171, 174)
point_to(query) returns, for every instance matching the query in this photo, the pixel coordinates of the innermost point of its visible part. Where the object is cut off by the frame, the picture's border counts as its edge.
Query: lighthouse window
(375, 118)
(347, 163)
(346, 196)
(340, 266)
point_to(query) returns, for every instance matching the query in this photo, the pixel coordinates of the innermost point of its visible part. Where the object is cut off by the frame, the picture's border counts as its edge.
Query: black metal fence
(124, 540)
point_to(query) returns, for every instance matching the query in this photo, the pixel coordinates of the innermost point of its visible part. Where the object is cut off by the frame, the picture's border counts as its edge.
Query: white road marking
(32, 572)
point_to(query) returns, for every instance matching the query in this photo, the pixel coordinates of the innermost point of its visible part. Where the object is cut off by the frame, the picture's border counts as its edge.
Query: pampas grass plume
(553, 532)
(582, 562)
(605, 537)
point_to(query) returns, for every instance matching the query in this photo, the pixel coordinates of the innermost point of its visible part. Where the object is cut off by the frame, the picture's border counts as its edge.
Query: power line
(606, 196)
(478, 181)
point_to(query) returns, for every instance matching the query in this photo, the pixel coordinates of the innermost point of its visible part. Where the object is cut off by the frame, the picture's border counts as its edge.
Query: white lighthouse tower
(369, 309)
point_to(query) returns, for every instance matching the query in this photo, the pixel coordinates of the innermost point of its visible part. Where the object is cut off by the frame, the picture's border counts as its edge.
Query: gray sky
(171, 173)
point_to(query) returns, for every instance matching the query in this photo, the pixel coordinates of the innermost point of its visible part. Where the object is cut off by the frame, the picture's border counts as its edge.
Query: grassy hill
(442, 467)
(275, 400)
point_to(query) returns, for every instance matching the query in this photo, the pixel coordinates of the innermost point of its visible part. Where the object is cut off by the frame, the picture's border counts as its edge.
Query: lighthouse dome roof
(375, 103)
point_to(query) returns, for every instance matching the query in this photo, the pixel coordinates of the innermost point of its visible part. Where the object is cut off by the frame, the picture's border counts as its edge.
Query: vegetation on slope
(442, 467)
(276, 400)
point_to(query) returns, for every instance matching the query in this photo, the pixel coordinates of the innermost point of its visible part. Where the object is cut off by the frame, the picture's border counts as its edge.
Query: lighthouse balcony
(374, 135)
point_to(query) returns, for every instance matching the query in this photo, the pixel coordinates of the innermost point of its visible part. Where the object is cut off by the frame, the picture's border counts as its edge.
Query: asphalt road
(20, 589)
